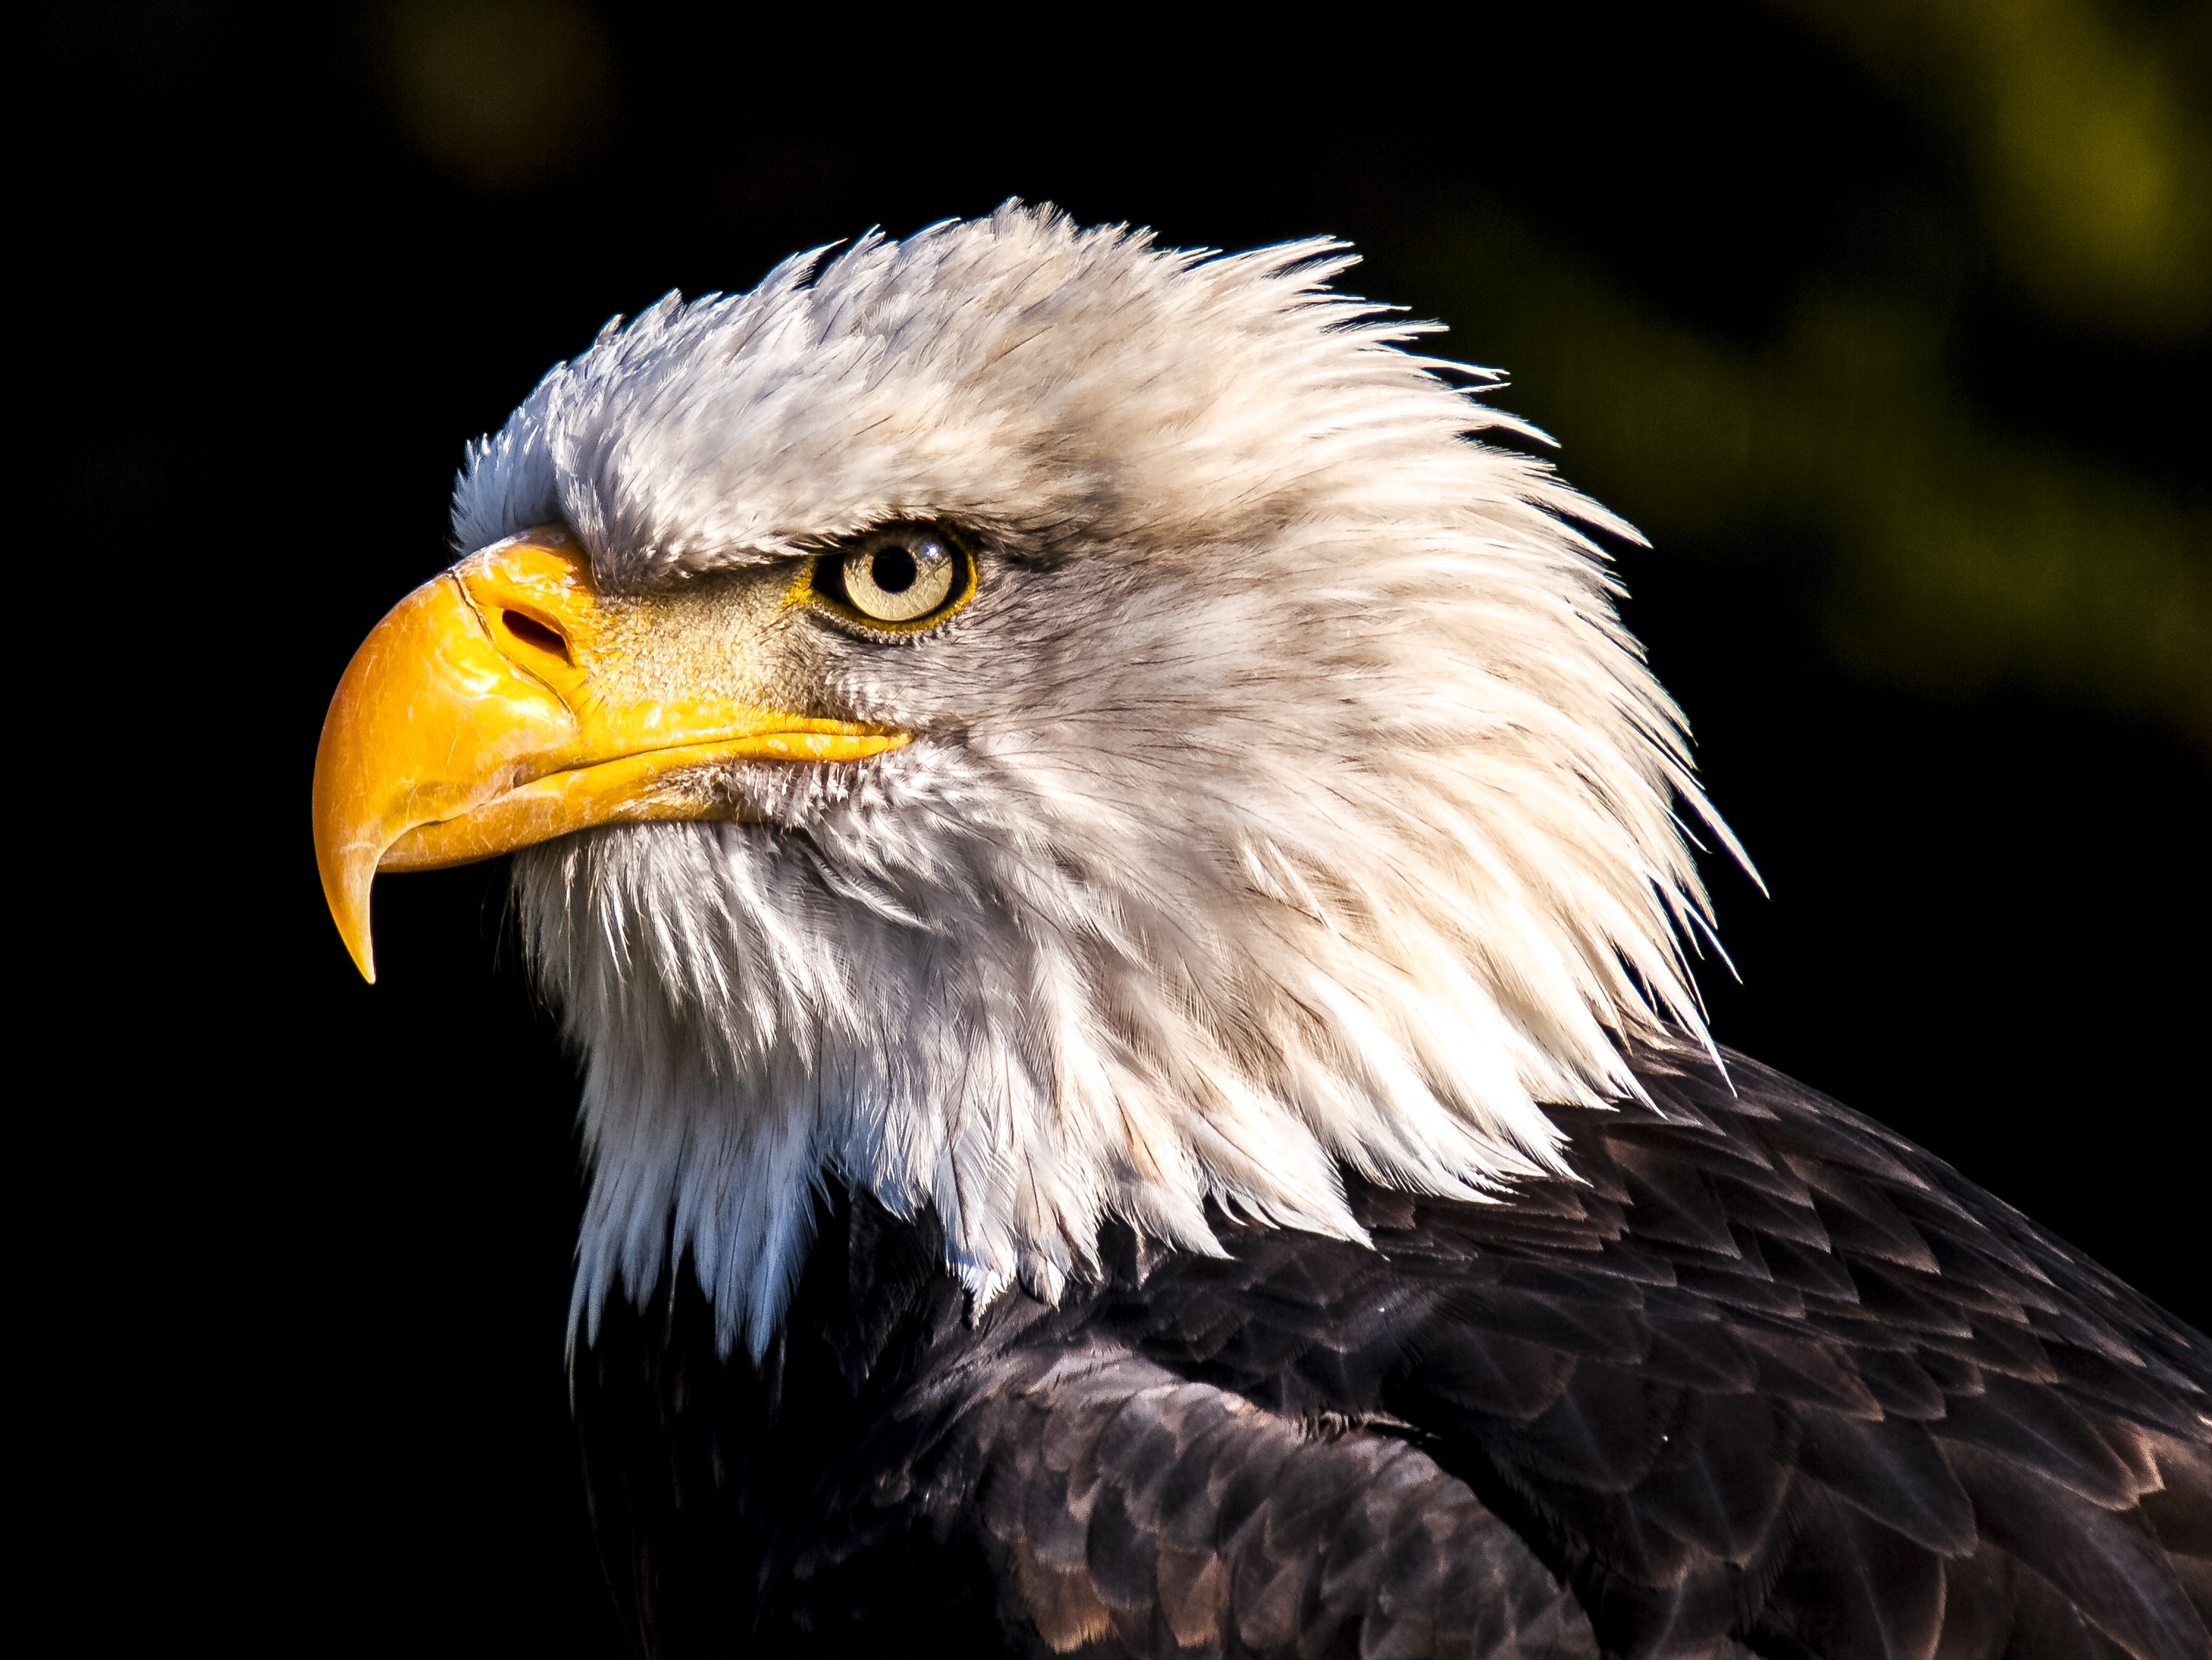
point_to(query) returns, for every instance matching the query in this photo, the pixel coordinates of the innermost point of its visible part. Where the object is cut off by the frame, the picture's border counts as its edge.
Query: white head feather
(1289, 794)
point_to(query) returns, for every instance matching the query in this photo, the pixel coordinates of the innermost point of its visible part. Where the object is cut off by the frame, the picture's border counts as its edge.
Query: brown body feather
(1767, 1379)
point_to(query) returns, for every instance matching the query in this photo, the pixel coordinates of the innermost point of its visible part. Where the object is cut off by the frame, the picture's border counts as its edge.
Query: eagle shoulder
(1764, 1377)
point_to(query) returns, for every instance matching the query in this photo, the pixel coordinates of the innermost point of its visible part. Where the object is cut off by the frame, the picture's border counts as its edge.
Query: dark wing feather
(1766, 1377)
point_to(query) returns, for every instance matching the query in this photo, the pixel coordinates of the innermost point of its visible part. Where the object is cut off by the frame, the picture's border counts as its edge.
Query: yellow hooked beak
(477, 718)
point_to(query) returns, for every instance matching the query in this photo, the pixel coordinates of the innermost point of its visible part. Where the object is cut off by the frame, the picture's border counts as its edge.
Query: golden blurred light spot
(501, 93)
(2093, 160)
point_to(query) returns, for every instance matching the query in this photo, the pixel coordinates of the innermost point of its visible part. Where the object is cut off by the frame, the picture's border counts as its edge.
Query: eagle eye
(900, 577)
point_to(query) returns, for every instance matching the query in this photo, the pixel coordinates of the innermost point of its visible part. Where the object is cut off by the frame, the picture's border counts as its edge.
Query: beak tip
(358, 943)
(346, 885)
(354, 929)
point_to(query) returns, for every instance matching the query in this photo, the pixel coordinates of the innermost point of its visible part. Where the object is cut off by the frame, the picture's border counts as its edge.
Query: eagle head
(1040, 727)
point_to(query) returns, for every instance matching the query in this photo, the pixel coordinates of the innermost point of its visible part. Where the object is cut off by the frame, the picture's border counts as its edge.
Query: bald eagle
(1123, 895)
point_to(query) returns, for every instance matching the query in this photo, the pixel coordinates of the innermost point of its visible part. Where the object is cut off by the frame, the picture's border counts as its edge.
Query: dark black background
(318, 1233)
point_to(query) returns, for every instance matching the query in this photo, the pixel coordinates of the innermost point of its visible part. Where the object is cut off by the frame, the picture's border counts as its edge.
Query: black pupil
(893, 570)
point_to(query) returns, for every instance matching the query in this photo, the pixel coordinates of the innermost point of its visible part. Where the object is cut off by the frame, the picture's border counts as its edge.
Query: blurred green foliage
(2088, 133)
(1946, 551)
(1951, 558)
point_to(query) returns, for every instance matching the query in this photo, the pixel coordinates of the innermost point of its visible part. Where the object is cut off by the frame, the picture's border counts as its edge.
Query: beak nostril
(532, 632)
